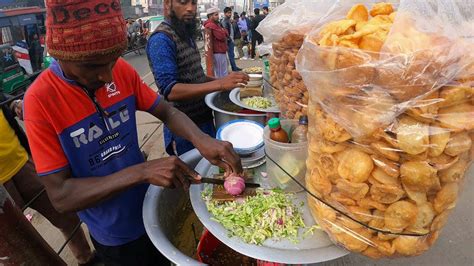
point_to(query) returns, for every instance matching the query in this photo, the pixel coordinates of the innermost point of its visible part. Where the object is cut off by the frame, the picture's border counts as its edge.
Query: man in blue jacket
(176, 64)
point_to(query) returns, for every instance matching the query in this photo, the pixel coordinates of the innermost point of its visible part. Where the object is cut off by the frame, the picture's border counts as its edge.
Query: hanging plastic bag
(285, 28)
(391, 122)
(292, 16)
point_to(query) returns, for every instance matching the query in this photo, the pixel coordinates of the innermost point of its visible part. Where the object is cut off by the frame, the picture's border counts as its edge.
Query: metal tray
(312, 249)
(234, 96)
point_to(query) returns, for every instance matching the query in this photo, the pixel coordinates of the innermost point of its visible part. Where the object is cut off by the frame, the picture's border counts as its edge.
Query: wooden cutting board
(220, 194)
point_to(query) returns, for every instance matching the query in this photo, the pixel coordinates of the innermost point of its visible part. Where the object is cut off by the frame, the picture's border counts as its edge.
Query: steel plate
(234, 96)
(312, 249)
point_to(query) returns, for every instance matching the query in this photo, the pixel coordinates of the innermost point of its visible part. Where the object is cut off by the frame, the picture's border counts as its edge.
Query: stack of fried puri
(388, 146)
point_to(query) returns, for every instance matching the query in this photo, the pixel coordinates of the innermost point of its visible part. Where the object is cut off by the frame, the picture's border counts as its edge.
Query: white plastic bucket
(289, 156)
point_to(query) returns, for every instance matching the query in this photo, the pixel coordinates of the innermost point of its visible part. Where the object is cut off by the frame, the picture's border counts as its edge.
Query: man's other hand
(168, 172)
(233, 80)
(220, 153)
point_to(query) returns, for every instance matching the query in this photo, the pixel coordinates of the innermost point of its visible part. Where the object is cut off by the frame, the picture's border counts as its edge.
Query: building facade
(243, 5)
(275, 3)
(155, 7)
(7, 4)
(142, 5)
(131, 9)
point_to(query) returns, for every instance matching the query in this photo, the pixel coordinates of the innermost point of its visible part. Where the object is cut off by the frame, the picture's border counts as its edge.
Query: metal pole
(20, 243)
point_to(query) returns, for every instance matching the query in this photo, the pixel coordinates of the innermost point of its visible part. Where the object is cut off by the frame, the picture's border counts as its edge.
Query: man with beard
(176, 64)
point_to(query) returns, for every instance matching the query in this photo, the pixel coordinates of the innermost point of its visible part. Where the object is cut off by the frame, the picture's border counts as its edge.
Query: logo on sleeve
(111, 90)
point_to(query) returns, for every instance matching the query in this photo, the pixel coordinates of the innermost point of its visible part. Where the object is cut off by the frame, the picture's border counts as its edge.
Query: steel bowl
(163, 213)
(225, 110)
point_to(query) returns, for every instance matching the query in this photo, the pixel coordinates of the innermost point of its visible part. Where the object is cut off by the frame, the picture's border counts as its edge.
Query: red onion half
(234, 185)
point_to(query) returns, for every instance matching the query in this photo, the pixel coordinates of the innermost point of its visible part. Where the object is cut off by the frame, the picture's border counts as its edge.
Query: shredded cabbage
(269, 214)
(257, 102)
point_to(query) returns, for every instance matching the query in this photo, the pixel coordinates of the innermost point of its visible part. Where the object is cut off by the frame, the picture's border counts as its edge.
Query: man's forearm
(74, 194)
(208, 79)
(184, 92)
(181, 125)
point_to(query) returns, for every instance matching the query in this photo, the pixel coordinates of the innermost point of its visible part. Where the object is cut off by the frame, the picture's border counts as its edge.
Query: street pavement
(150, 134)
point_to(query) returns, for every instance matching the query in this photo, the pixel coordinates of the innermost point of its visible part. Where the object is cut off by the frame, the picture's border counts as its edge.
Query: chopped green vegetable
(310, 230)
(206, 194)
(269, 214)
(257, 102)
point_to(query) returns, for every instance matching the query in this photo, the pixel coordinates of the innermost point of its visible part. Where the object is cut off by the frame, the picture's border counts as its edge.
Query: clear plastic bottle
(300, 134)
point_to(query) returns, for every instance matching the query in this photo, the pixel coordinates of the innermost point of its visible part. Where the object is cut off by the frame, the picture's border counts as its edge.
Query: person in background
(18, 176)
(36, 53)
(141, 28)
(176, 65)
(227, 24)
(80, 118)
(244, 26)
(237, 37)
(133, 29)
(146, 29)
(257, 38)
(265, 11)
(219, 42)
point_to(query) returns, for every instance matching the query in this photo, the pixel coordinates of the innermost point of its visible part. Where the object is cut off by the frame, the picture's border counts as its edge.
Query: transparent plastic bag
(297, 16)
(391, 128)
(290, 92)
(285, 28)
(381, 67)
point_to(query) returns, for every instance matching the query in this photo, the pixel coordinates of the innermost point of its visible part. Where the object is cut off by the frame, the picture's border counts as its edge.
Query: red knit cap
(78, 30)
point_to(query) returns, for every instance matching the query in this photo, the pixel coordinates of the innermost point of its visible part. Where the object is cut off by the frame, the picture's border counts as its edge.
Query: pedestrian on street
(133, 29)
(265, 11)
(228, 25)
(257, 38)
(35, 52)
(243, 26)
(88, 157)
(219, 41)
(176, 64)
(141, 29)
(18, 176)
(238, 41)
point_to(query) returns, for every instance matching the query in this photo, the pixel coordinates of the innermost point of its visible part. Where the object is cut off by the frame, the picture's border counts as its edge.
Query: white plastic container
(289, 156)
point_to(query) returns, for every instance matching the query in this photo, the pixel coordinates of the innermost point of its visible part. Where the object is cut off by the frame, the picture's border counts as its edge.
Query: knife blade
(206, 180)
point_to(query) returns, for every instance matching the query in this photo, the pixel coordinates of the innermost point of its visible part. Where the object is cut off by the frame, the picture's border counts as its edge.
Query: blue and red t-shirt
(66, 130)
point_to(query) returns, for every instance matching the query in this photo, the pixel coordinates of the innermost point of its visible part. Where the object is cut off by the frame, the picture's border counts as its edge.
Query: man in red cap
(80, 120)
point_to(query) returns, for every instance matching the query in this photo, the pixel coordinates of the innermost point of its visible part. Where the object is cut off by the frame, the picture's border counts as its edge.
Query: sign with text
(261, 3)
